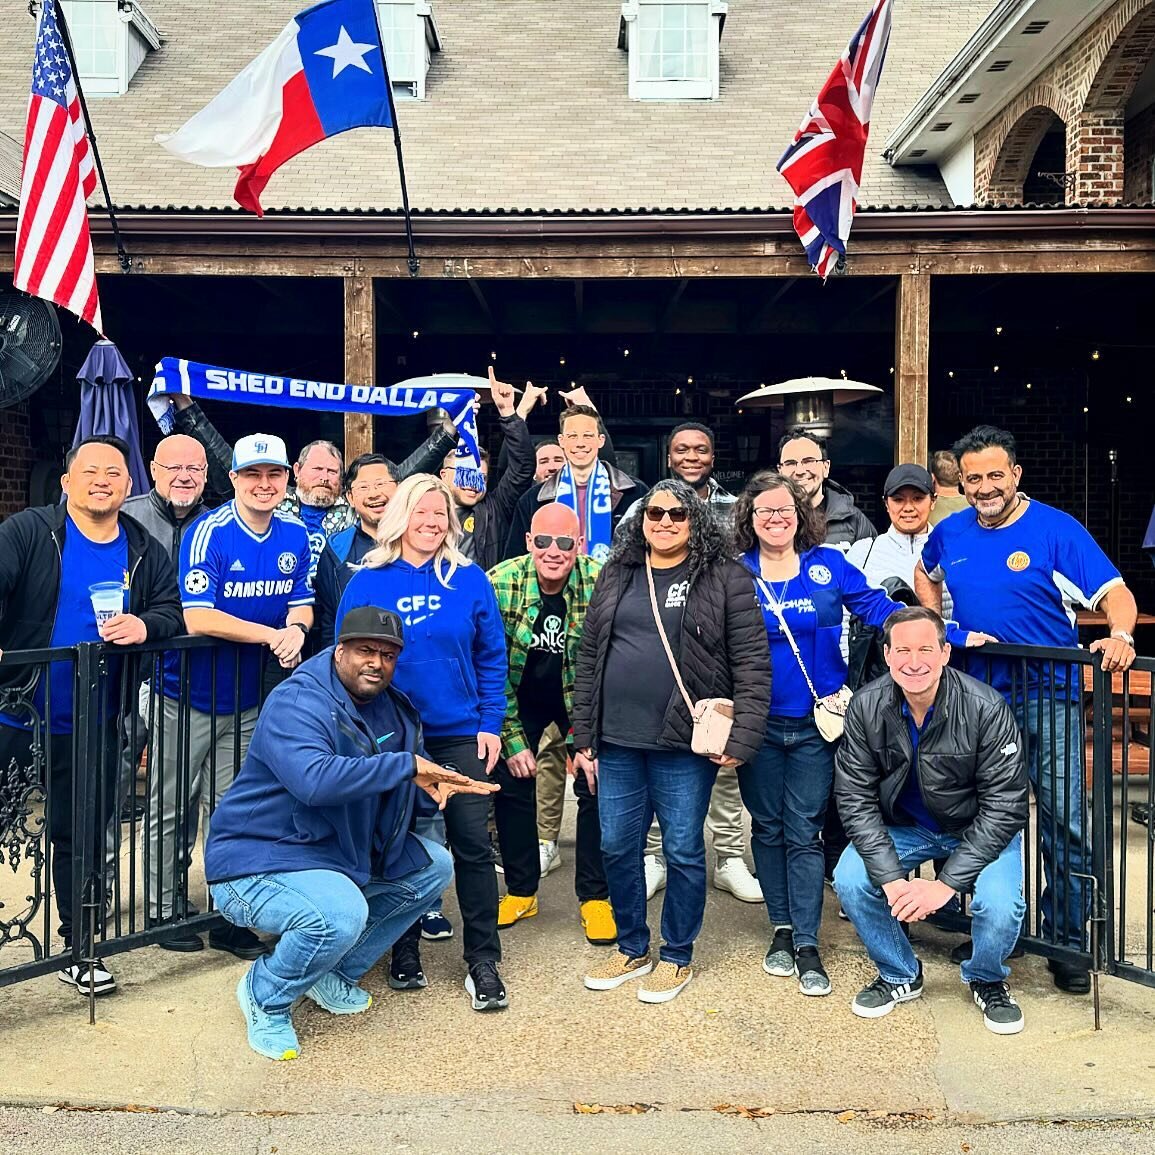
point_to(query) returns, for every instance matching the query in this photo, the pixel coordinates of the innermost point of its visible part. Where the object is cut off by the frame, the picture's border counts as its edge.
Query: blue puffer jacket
(314, 792)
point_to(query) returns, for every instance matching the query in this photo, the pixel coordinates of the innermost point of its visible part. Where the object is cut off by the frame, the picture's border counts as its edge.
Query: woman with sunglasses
(802, 586)
(632, 728)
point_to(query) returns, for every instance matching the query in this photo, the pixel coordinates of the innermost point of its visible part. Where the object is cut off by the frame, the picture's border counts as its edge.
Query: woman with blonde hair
(453, 668)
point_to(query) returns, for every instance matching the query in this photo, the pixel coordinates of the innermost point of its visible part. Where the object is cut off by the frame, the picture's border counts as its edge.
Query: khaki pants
(551, 778)
(723, 820)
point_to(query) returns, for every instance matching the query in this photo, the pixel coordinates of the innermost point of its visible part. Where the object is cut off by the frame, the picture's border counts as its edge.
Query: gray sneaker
(881, 997)
(1001, 1013)
(812, 977)
(779, 960)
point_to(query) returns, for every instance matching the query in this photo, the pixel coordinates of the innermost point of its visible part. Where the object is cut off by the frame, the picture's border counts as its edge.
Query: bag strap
(665, 640)
(773, 603)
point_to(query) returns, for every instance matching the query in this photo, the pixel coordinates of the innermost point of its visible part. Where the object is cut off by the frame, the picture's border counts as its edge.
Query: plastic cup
(107, 601)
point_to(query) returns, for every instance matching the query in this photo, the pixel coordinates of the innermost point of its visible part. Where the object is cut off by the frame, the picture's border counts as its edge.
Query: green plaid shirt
(518, 597)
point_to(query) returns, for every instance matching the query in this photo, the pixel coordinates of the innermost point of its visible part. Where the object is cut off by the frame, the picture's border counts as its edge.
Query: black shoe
(779, 960)
(405, 973)
(966, 948)
(1141, 813)
(812, 976)
(1069, 977)
(237, 940)
(185, 942)
(880, 997)
(485, 987)
(1001, 1013)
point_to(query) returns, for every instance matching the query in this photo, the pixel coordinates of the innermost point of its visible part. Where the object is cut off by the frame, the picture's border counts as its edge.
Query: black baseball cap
(372, 622)
(913, 475)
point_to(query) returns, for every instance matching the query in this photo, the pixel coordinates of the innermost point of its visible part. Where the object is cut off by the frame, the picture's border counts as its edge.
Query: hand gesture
(577, 396)
(523, 765)
(489, 749)
(441, 784)
(977, 638)
(587, 766)
(501, 394)
(124, 630)
(1117, 654)
(531, 397)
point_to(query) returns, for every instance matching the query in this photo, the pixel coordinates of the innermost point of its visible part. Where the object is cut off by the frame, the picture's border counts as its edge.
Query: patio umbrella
(107, 406)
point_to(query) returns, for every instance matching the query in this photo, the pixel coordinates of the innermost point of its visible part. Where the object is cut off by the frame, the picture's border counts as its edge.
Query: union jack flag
(824, 163)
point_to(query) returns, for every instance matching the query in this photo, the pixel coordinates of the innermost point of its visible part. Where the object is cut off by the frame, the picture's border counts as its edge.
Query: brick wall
(16, 457)
(1139, 153)
(1087, 88)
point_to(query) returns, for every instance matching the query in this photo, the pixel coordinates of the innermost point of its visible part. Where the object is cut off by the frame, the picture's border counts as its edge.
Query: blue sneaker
(269, 1035)
(435, 925)
(339, 997)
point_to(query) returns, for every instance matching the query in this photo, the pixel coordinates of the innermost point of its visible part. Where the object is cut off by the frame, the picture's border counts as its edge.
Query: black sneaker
(185, 942)
(1141, 813)
(237, 940)
(966, 948)
(1073, 979)
(405, 973)
(881, 997)
(1001, 1013)
(779, 960)
(812, 976)
(485, 987)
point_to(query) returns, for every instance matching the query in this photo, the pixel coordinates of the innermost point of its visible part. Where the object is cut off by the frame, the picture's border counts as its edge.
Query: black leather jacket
(971, 770)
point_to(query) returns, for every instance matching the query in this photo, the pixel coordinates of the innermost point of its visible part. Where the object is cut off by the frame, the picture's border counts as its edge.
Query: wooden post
(912, 368)
(360, 352)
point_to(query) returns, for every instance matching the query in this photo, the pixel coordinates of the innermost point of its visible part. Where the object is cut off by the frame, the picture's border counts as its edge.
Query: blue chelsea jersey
(225, 565)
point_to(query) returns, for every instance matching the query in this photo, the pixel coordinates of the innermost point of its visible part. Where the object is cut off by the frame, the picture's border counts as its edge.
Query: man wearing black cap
(314, 840)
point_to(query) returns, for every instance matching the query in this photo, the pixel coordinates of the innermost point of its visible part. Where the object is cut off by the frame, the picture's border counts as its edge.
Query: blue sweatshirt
(812, 607)
(453, 665)
(326, 785)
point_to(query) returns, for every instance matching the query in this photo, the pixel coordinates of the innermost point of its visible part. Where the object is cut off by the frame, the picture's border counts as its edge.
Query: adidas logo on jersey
(237, 567)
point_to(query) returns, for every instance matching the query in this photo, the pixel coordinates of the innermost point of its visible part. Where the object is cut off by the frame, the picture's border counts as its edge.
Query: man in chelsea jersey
(1016, 567)
(244, 578)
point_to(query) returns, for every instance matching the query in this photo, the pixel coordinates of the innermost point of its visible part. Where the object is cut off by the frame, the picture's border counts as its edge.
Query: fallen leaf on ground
(613, 1108)
(744, 1112)
(845, 1116)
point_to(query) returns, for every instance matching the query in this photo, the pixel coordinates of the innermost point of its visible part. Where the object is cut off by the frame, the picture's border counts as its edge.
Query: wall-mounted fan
(29, 345)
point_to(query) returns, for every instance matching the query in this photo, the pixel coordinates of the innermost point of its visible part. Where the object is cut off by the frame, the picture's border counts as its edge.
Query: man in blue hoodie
(314, 840)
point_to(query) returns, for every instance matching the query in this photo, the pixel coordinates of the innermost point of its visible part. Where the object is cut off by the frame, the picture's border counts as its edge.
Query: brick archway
(1012, 164)
(1122, 52)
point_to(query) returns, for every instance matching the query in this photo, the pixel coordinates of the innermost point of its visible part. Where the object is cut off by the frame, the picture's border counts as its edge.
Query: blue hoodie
(453, 665)
(315, 792)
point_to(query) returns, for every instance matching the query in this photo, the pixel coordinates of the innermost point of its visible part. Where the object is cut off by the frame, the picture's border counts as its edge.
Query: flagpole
(414, 263)
(121, 253)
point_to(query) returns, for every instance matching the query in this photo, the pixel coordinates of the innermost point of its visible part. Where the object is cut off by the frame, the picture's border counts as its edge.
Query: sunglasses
(677, 514)
(545, 540)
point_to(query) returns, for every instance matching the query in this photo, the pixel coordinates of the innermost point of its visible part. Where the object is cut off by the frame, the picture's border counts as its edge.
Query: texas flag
(324, 74)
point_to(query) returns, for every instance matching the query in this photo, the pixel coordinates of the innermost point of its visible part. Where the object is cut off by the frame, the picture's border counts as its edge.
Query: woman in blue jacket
(453, 670)
(805, 584)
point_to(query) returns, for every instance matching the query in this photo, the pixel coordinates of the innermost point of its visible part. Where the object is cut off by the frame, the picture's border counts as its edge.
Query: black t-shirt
(638, 680)
(539, 695)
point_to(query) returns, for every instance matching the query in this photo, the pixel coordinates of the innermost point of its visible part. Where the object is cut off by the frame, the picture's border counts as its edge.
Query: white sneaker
(549, 855)
(733, 875)
(655, 875)
(101, 979)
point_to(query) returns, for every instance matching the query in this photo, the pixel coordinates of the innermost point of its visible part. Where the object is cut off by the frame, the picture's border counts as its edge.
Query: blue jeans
(786, 787)
(997, 907)
(1062, 812)
(327, 922)
(634, 786)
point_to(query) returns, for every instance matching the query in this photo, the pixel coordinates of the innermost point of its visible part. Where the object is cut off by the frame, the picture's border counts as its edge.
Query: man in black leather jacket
(931, 766)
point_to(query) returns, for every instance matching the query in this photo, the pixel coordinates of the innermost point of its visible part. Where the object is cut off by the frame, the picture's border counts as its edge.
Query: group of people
(402, 663)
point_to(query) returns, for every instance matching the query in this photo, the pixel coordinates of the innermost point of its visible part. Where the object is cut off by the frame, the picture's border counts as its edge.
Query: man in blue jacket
(314, 840)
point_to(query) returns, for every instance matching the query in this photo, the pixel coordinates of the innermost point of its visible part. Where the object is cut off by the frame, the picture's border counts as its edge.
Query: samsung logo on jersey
(260, 589)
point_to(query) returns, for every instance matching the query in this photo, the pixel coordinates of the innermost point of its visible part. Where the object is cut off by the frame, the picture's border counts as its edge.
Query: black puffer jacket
(845, 522)
(724, 654)
(971, 771)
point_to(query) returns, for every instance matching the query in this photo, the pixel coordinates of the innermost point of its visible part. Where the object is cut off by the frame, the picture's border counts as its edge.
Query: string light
(998, 330)
(625, 352)
(1085, 409)
(493, 356)
(561, 360)
(950, 374)
(677, 393)
(416, 334)
(996, 369)
(1028, 384)
(1128, 400)
(1095, 354)
(689, 381)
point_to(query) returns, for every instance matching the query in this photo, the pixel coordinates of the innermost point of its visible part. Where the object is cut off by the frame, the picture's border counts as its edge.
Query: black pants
(65, 832)
(515, 812)
(834, 840)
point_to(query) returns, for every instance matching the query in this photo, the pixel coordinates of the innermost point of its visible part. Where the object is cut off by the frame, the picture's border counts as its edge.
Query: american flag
(824, 164)
(53, 245)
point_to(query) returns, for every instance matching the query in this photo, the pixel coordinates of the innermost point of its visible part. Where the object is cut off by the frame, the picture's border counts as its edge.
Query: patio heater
(808, 402)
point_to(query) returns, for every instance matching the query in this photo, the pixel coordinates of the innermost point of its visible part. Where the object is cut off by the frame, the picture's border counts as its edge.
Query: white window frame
(640, 88)
(134, 36)
(410, 84)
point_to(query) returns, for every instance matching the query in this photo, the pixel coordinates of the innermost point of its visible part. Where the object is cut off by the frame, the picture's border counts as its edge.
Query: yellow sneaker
(513, 909)
(617, 969)
(598, 922)
(665, 983)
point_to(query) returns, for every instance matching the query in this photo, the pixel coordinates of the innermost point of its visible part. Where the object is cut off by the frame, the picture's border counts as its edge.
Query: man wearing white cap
(244, 578)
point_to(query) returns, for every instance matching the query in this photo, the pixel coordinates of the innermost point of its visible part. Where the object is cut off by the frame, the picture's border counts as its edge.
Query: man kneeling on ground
(931, 766)
(314, 840)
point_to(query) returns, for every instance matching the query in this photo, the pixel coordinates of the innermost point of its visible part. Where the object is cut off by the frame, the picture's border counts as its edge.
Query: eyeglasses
(677, 514)
(804, 462)
(768, 513)
(364, 488)
(173, 470)
(544, 540)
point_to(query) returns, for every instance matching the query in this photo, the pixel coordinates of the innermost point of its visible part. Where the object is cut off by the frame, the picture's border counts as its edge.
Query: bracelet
(302, 627)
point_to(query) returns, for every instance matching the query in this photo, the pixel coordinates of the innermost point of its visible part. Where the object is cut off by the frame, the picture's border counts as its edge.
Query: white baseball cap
(259, 449)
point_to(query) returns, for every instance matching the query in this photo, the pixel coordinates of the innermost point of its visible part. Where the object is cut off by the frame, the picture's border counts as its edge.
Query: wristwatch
(302, 627)
(1124, 636)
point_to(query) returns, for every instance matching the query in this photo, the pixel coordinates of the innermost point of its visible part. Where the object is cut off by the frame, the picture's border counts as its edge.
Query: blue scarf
(212, 383)
(599, 520)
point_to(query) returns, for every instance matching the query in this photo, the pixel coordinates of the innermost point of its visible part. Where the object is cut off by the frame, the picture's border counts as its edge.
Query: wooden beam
(912, 368)
(360, 351)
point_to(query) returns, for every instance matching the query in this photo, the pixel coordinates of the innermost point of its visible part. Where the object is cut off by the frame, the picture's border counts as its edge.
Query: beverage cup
(107, 601)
